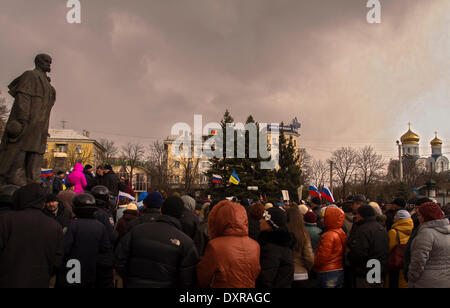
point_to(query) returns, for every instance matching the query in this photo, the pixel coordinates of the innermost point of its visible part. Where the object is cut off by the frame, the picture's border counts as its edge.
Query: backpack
(397, 256)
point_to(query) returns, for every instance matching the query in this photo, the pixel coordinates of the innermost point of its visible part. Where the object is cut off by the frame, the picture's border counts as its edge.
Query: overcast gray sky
(133, 68)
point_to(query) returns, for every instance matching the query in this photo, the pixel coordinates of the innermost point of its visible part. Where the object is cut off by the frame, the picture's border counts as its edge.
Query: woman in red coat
(231, 258)
(330, 251)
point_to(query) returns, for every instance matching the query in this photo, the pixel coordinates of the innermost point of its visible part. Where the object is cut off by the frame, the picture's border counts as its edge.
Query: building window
(177, 165)
(140, 182)
(46, 148)
(442, 166)
(176, 179)
(61, 148)
(78, 149)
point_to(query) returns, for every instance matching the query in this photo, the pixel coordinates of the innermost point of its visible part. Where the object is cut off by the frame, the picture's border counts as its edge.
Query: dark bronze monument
(25, 137)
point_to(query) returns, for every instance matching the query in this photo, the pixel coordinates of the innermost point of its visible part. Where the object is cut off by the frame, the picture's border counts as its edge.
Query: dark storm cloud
(134, 68)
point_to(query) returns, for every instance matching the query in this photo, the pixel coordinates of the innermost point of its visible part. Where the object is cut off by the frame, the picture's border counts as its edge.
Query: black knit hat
(276, 218)
(316, 200)
(366, 211)
(51, 198)
(399, 202)
(173, 206)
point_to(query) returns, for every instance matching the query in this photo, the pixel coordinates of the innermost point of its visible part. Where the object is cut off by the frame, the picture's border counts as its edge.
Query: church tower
(410, 144)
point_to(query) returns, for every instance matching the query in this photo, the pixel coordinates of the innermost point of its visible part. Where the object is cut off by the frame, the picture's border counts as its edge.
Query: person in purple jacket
(78, 178)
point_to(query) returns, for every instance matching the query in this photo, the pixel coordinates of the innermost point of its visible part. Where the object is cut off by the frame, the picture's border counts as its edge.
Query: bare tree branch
(344, 160)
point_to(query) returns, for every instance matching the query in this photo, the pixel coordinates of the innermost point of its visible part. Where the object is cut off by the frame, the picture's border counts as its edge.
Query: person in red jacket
(328, 260)
(231, 258)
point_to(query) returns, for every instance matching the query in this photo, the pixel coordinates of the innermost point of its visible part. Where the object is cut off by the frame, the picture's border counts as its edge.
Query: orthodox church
(410, 150)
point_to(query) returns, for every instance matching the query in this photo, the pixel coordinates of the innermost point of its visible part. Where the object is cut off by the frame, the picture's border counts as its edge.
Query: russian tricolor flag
(314, 191)
(217, 179)
(327, 195)
(45, 173)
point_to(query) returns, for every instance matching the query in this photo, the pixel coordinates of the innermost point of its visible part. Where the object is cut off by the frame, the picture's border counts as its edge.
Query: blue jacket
(314, 233)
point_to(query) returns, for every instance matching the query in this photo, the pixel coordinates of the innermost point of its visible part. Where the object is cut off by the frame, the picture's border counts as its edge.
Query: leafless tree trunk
(159, 167)
(74, 156)
(111, 151)
(319, 173)
(344, 162)
(370, 166)
(133, 153)
(189, 168)
(306, 166)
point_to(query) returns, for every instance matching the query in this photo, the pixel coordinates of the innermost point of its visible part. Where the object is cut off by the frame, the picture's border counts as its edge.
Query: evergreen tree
(289, 173)
(248, 169)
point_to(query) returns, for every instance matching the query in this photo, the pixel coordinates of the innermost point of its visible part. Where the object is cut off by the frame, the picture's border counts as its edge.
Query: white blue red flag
(327, 195)
(217, 179)
(314, 191)
(45, 173)
(123, 195)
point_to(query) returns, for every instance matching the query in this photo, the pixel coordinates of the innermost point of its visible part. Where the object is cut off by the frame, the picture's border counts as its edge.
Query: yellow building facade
(67, 147)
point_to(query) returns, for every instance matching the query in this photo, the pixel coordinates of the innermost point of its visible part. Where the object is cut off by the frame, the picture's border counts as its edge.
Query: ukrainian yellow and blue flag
(234, 178)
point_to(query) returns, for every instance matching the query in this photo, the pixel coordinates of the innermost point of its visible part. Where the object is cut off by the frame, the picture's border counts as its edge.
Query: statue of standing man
(25, 137)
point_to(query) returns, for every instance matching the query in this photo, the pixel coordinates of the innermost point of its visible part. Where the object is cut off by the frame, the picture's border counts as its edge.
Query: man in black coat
(111, 180)
(31, 244)
(368, 240)
(84, 240)
(89, 177)
(57, 185)
(56, 210)
(151, 210)
(104, 215)
(158, 254)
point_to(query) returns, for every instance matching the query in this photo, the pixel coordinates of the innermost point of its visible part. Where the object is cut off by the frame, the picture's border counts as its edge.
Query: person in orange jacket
(328, 260)
(231, 258)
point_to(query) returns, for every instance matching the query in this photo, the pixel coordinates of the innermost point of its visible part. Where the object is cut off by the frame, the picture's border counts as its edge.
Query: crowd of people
(173, 241)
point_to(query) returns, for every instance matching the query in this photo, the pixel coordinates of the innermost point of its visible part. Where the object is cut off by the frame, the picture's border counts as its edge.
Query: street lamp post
(400, 160)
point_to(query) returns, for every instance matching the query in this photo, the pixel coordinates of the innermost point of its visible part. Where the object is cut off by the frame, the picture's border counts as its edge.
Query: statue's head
(43, 62)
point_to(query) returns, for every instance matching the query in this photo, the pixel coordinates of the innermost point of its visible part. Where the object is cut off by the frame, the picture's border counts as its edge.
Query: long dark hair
(296, 225)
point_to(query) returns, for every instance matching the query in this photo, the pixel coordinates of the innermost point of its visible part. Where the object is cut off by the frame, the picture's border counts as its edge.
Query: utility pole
(331, 176)
(400, 160)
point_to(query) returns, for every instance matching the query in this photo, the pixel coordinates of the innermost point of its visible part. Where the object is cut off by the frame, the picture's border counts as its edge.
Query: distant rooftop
(68, 134)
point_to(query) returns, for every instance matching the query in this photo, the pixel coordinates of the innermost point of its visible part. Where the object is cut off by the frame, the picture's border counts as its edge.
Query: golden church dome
(436, 141)
(410, 137)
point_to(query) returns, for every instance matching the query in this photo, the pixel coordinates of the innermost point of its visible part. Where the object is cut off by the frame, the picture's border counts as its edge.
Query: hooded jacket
(65, 197)
(31, 244)
(78, 178)
(231, 258)
(430, 256)
(189, 221)
(330, 250)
